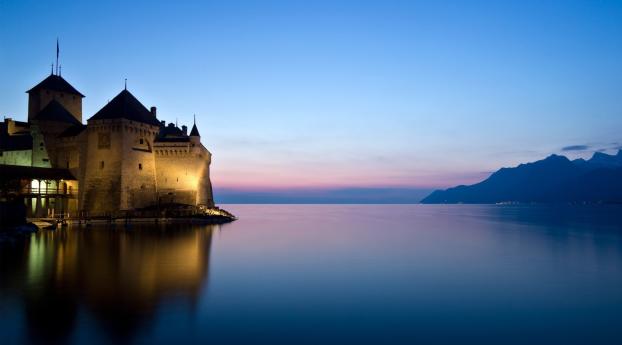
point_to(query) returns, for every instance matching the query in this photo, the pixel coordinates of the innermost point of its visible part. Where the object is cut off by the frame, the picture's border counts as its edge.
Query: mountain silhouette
(553, 179)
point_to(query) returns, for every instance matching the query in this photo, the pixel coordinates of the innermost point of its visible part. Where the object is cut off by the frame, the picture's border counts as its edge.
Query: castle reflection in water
(119, 277)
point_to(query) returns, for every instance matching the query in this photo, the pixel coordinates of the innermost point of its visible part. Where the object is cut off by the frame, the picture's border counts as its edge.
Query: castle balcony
(52, 189)
(44, 191)
(28, 181)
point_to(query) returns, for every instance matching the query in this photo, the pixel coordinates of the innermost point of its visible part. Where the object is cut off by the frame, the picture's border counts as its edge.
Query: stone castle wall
(138, 172)
(18, 157)
(119, 170)
(70, 153)
(45, 143)
(100, 189)
(180, 169)
(204, 187)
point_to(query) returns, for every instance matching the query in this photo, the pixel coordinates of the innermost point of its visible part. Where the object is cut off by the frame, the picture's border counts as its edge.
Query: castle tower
(54, 87)
(119, 164)
(45, 127)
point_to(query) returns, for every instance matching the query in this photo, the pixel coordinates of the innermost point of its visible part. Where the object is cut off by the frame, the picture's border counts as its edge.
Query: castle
(123, 161)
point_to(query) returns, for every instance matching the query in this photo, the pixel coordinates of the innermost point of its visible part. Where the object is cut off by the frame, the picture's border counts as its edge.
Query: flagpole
(57, 51)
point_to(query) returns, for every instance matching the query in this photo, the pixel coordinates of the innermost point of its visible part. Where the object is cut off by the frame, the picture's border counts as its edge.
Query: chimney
(154, 110)
(184, 129)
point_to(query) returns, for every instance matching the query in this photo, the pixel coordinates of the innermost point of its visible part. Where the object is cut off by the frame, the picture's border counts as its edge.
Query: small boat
(44, 224)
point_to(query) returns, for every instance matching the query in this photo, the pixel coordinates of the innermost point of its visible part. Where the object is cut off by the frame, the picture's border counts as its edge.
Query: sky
(340, 95)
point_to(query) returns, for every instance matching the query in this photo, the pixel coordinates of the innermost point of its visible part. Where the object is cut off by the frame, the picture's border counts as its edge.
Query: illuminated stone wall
(100, 188)
(204, 194)
(138, 180)
(119, 165)
(182, 170)
(70, 153)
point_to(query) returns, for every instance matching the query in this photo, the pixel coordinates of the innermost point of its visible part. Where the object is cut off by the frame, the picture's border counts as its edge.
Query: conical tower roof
(194, 132)
(55, 83)
(126, 106)
(55, 111)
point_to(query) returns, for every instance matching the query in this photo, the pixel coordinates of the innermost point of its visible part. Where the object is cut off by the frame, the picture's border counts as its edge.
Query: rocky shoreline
(15, 232)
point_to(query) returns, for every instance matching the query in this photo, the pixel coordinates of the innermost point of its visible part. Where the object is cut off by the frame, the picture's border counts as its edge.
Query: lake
(325, 274)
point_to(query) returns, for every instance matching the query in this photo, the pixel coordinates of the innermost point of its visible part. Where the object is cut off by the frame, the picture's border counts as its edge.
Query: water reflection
(326, 274)
(118, 276)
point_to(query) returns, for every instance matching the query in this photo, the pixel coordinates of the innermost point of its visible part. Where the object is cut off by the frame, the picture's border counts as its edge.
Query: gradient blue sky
(340, 93)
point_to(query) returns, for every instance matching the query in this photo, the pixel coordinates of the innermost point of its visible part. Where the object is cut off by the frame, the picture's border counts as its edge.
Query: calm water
(325, 274)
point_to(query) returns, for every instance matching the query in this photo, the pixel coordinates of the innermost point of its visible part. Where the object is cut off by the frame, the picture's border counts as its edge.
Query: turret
(194, 132)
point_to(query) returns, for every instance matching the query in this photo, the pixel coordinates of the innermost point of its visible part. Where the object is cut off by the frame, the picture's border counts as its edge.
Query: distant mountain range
(551, 180)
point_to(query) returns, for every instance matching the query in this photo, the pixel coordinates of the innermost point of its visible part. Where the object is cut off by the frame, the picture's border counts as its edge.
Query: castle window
(141, 141)
(101, 164)
(140, 166)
